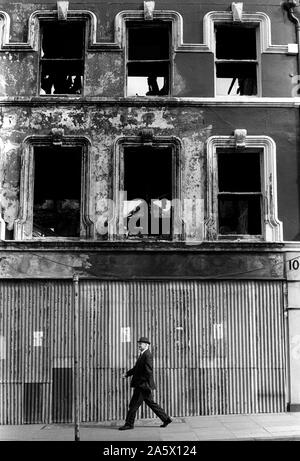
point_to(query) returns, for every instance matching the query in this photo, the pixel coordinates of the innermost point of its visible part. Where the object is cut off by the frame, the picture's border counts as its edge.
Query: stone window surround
(43, 62)
(170, 60)
(271, 226)
(211, 18)
(258, 63)
(24, 222)
(119, 43)
(146, 141)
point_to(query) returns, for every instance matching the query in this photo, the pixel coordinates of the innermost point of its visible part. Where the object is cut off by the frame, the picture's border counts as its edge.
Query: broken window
(57, 192)
(148, 59)
(148, 191)
(61, 57)
(236, 60)
(239, 193)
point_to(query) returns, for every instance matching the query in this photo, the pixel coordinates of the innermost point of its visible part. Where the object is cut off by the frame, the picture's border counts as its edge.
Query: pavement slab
(283, 428)
(244, 424)
(279, 426)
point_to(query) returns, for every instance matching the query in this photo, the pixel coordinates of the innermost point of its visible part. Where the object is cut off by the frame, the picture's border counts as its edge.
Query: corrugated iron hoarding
(218, 347)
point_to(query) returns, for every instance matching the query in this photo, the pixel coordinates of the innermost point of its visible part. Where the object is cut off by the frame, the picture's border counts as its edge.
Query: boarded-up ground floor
(218, 347)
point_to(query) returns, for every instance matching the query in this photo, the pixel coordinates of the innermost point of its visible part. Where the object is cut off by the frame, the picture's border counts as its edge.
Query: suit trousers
(138, 397)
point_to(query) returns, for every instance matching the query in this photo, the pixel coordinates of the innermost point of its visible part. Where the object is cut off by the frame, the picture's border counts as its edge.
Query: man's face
(143, 346)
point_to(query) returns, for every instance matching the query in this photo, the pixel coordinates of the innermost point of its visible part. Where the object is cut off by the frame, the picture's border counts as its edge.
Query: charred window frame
(147, 201)
(145, 158)
(62, 52)
(148, 58)
(57, 192)
(55, 167)
(239, 193)
(254, 182)
(237, 60)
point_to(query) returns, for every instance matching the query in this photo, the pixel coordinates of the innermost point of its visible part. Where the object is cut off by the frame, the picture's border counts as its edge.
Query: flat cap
(143, 339)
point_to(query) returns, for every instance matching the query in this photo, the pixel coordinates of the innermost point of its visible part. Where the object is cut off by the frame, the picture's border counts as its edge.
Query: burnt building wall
(104, 80)
(211, 294)
(193, 124)
(104, 71)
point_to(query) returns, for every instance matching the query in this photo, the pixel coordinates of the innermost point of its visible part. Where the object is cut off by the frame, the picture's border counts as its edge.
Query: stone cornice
(149, 101)
(75, 245)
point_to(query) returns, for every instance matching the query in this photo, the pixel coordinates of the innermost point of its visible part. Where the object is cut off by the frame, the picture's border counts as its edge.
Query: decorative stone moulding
(119, 43)
(272, 227)
(258, 18)
(240, 138)
(57, 136)
(237, 11)
(149, 8)
(122, 142)
(293, 48)
(147, 136)
(23, 224)
(62, 10)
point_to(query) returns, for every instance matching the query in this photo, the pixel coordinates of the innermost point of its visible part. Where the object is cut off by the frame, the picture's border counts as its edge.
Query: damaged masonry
(149, 162)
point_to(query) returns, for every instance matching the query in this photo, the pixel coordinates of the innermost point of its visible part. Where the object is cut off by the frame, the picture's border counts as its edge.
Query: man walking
(143, 384)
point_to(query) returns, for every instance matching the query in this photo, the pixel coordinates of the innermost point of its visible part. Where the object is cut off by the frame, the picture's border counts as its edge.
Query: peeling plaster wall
(13, 67)
(102, 125)
(104, 71)
(192, 125)
(130, 264)
(105, 78)
(104, 74)
(10, 181)
(193, 77)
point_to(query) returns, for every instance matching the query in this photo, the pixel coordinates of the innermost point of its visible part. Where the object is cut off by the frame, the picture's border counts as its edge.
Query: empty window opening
(62, 57)
(57, 192)
(148, 186)
(239, 193)
(236, 61)
(148, 64)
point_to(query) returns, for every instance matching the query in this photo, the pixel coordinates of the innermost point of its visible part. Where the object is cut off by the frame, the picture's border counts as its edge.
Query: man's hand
(124, 375)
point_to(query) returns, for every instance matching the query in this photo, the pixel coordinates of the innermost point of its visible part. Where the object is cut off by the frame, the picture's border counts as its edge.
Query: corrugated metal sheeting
(218, 347)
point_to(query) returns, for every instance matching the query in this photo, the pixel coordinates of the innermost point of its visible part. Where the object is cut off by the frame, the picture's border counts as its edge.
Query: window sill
(146, 239)
(240, 238)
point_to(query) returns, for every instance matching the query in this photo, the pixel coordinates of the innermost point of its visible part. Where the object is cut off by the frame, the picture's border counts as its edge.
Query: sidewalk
(266, 426)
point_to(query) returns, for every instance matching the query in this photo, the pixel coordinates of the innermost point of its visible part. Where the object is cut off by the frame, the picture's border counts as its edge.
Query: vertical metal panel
(62, 395)
(218, 345)
(27, 307)
(211, 343)
(33, 402)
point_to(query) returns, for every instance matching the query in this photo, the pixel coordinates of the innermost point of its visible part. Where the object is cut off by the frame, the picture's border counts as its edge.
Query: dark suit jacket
(142, 372)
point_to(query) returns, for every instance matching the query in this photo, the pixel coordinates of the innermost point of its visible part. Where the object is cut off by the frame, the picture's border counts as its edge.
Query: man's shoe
(125, 427)
(165, 423)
